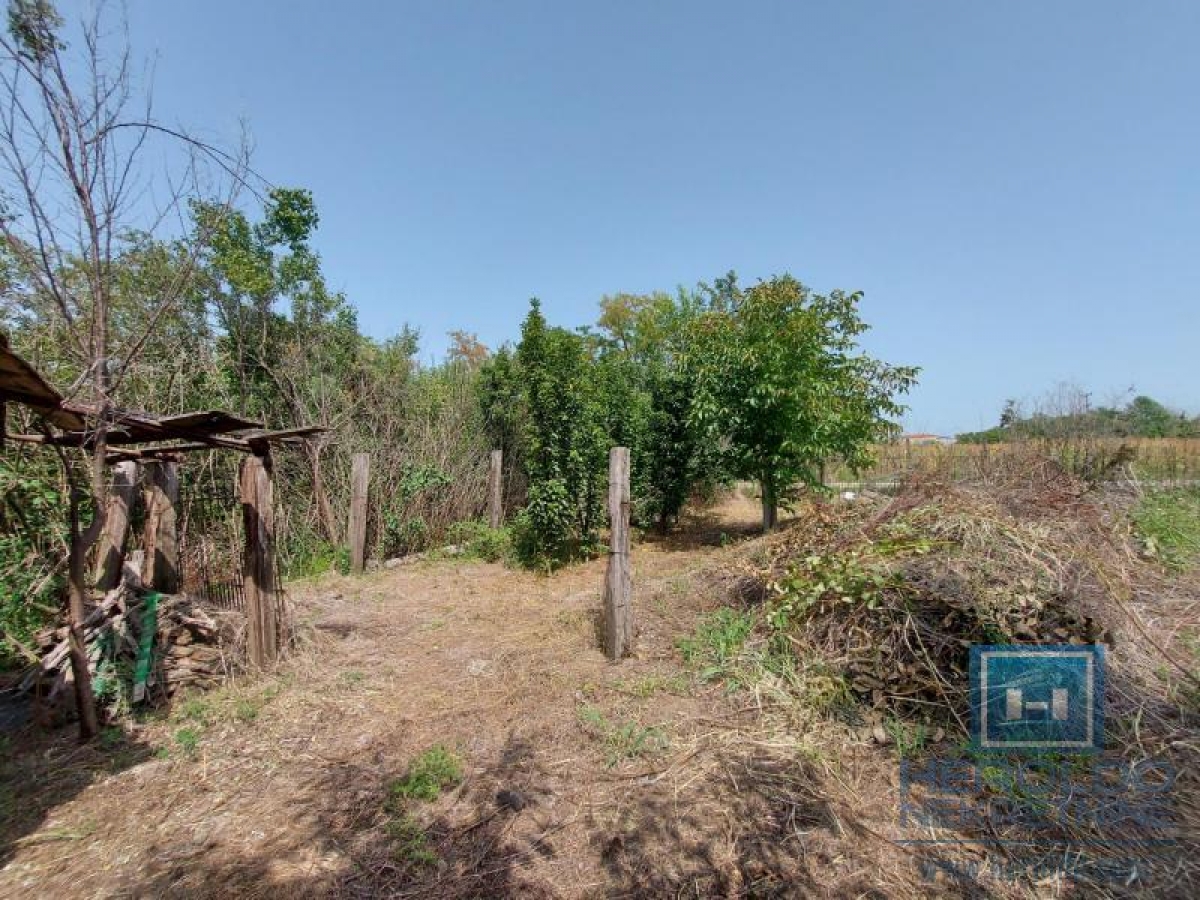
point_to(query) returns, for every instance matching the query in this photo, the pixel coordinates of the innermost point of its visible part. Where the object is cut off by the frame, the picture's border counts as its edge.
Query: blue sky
(1015, 186)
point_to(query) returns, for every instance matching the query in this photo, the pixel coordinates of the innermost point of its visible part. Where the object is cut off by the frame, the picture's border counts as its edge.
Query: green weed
(826, 691)
(313, 558)
(717, 643)
(910, 738)
(833, 578)
(188, 740)
(481, 541)
(435, 769)
(245, 710)
(410, 841)
(622, 740)
(1169, 525)
(196, 709)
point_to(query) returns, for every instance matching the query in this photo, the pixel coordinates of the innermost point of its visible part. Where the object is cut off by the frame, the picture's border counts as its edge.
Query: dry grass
(754, 791)
(1151, 459)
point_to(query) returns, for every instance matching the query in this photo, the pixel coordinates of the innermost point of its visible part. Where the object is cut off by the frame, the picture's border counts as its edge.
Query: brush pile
(140, 647)
(883, 597)
(890, 594)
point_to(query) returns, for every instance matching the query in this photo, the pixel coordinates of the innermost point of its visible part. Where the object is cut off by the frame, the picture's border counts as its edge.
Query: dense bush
(33, 534)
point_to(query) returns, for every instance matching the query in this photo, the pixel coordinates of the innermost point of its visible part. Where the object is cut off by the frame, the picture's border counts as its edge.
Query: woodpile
(141, 647)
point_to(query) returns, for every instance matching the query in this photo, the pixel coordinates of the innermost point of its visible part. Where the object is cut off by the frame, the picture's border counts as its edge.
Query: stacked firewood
(194, 652)
(188, 646)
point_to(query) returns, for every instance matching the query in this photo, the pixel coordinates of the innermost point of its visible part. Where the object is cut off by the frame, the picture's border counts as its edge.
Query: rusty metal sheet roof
(21, 383)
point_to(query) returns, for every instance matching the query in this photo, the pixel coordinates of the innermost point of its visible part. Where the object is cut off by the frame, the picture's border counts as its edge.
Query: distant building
(924, 438)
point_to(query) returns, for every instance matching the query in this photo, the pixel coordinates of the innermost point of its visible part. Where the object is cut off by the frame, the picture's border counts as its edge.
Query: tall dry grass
(1162, 460)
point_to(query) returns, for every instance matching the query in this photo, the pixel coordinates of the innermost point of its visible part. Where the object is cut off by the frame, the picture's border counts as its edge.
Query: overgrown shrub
(33, 550)
(478, 539)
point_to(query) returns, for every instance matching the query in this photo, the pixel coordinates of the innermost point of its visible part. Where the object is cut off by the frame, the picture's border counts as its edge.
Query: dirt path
(621, 780)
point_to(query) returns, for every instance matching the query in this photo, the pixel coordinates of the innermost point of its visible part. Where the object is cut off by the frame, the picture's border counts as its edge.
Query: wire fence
(209, 527)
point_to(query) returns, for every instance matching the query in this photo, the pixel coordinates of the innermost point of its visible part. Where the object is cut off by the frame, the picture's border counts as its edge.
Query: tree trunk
(160, 567)
(770, 504)
(85, 702)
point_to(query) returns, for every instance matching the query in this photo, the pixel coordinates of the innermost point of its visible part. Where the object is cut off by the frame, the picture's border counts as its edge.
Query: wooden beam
(282, 435)
(160, 567)
(209, 421)
(169, 451)
(258, 566)
(495, 489)
(618, 579)
(111, 552)
(360, 478)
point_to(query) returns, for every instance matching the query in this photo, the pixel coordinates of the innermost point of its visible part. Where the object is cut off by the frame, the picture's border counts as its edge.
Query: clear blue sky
(1015, 186)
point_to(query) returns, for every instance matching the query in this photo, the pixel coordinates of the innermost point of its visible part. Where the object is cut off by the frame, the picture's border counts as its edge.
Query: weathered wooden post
(258, 565)
(111, 551)
(495, 489)
(160, 566)
(618, 587)
(360, 478)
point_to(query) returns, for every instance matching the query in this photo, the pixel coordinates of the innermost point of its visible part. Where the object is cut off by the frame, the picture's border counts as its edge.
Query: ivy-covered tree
(564, 443)
(782, 385)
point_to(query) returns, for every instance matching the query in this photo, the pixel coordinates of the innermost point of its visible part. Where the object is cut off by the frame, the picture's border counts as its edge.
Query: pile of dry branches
(888, 595)
(892, 593)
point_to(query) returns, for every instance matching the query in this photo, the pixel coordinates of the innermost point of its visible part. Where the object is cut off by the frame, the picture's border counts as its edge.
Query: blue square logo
(1037, 697)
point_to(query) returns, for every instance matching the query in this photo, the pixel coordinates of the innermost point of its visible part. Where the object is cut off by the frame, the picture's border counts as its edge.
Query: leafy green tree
(502, 401)
(782, 385)
(564, 443)
(650, 396)
(1149, 418)
(1010, 415)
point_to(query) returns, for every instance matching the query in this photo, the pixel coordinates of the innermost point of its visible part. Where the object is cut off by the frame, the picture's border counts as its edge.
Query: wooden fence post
(160, 566)
(258, 564)
(495, 489)
(618, 588)
(111, 550)
(360, 479)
